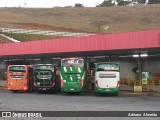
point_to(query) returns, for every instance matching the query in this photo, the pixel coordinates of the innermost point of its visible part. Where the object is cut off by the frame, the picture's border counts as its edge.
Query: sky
(47, 3)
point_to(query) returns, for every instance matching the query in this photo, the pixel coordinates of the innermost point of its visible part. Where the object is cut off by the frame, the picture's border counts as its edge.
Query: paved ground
(61, 102)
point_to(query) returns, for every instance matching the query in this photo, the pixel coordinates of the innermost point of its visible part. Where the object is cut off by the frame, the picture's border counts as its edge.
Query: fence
(39, 32)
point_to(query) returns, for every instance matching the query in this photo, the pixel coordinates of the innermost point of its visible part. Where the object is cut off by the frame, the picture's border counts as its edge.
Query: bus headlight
(38, 83)
(10, 83)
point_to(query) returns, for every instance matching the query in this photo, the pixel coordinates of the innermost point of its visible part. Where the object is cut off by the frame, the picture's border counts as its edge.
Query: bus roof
(44, 64)
(73, 58)
(21, 65)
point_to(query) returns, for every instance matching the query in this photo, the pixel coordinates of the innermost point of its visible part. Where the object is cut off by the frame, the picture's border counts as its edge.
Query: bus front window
(72, 63)
(17, 69)
(107, 66)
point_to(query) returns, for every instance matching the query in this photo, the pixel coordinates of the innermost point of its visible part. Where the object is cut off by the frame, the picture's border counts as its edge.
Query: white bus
(107, 78)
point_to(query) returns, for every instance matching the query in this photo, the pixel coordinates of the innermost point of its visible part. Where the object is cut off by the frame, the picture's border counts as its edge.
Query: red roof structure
(149, 39)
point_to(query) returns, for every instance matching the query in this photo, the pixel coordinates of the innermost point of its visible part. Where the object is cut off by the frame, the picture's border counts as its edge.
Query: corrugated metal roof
(120, 41)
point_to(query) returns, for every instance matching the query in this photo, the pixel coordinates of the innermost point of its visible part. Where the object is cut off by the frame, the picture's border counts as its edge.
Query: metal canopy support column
(8, 62)
(88, 63)
(42, 60)
(24, 61)
(139, 71)
(110, 58)
(51, 61)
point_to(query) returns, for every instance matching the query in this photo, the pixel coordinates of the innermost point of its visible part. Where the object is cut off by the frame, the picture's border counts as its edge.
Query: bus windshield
(107, 67)
(43, 74)
(72, 62)
(17, 68)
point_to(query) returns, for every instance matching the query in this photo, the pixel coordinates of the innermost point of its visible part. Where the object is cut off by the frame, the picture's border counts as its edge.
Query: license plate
(107, 90)
(72, 89)
(44, 89)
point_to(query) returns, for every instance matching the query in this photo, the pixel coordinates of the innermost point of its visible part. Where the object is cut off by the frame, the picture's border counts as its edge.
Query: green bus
(72, 75)
(45, 78)
(107, 78)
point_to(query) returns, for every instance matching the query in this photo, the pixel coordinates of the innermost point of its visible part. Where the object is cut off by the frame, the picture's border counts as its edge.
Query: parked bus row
(73, 77)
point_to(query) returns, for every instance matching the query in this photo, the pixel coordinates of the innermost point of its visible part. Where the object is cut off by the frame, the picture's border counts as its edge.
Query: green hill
(91, 20)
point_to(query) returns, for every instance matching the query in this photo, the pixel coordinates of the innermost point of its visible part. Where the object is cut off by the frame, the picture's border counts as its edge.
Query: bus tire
(57, 90)
(39, 91)
(31, 89)
(116, 94)
(96, 94)
(84, 93)
(15, 91)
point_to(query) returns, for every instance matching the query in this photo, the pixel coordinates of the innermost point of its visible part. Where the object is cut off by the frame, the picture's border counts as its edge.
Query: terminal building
(137, 53)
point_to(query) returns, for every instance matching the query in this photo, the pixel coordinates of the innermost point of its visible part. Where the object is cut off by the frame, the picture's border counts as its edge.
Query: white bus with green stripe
(72, 75)
(107, 78)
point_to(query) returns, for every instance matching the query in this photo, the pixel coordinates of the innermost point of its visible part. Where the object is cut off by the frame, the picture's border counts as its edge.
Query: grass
(90, 20)
(27, 37)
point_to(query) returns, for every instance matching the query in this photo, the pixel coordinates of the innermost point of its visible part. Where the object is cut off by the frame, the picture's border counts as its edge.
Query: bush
(123, 3)
(154, 1)
(106, 4)
(79, 5)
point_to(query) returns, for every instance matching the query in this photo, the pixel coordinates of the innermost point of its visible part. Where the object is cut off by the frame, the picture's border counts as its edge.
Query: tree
(106, 3)
(139, 1)
(123, 3)
(79, 5)
(154, 1)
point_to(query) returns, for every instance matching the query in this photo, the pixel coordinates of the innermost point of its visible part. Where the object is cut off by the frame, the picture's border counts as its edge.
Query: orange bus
(20, 78)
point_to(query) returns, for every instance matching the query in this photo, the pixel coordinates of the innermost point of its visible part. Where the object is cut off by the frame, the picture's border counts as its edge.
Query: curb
(140, 93)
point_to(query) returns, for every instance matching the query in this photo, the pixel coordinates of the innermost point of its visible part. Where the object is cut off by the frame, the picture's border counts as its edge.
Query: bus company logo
(6, 114)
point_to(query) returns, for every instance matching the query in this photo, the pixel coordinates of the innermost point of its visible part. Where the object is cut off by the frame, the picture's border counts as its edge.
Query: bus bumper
(19, 88)
(107, 90)
(44, 88)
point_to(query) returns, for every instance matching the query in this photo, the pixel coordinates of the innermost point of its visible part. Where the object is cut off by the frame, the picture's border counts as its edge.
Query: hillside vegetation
(90, 20)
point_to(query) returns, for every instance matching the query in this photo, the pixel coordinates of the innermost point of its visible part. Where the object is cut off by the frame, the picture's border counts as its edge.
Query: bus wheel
(57, 90)
(15, 91)
(84, 93)
(115, 94)
(96, 94)
(31, 89)
(40, 91)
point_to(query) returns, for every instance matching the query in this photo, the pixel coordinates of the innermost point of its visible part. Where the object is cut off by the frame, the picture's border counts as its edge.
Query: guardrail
(39, 32)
